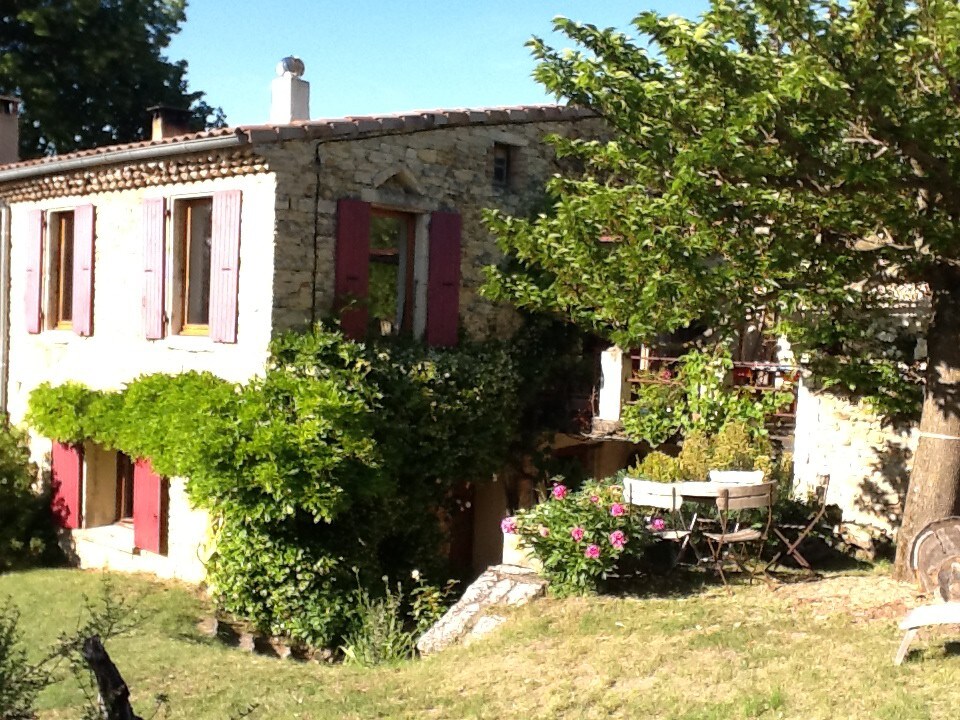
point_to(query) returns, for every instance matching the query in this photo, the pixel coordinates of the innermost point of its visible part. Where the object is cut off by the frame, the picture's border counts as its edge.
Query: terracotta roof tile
(335, 127)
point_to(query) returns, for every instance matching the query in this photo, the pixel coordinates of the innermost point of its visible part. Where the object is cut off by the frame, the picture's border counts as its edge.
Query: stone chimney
(9, 129)
(290, 95)
(168, 121)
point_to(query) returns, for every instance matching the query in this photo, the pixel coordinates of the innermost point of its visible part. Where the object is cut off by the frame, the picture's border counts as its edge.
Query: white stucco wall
(118, 350)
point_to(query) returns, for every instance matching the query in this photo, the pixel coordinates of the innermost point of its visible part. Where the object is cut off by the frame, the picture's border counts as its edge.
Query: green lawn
(811, 651)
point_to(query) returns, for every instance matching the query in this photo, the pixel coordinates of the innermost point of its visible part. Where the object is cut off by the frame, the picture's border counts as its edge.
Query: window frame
(408, 319)
(180, 239)
(53, 298)
(503, 151)
(124, 489)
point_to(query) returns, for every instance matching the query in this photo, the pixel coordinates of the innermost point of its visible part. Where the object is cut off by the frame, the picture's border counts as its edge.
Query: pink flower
(617, 510)
(577, 533)
(508, 525)
(594, 499)
(658, 524)
(618, 539)
(544, 531)
(592, 552)
(559, 492)
(666, 375)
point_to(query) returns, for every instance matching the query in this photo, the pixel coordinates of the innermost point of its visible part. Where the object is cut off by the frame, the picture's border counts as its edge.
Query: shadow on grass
(657, 575)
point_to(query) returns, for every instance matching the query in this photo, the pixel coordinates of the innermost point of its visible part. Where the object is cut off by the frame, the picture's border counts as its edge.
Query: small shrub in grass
(387, 628)
(580, 537)
(20, 682)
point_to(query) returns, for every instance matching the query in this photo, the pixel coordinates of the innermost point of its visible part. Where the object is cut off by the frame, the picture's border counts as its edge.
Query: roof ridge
(340, 127)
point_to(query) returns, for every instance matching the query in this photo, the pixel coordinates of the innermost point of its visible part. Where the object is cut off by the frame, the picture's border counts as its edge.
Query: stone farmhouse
(189, 251)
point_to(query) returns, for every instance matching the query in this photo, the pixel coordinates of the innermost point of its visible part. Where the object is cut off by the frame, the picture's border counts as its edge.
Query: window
(391, 299)
(194, 236)
(61, 262)
(59, 270)
(501, 165)
(125, 474)
(397, 271)
(191, 264)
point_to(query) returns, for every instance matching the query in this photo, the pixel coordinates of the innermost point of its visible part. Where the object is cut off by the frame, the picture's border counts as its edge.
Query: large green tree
(796, 157)
(87, 70)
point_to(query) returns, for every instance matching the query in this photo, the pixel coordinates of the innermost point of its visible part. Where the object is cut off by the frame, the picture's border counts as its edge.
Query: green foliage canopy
(800, 157)
(87, 70)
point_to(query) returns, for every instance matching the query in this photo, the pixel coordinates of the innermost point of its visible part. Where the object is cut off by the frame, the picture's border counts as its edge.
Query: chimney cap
(291, 65)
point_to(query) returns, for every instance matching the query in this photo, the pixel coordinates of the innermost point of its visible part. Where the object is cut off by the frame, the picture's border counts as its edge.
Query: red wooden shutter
(443, 279)
(149, 508)
(83, 232)
(224, 266)
(66, 472)
(154, 261)
(34, 278)
(352, 266)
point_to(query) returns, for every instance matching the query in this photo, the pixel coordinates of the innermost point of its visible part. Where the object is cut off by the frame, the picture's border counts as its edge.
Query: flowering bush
(580, 536)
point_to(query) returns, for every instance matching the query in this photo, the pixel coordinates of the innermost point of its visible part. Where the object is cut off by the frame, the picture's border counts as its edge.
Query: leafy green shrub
(339, 460)
(580, 536)
(734, 447)
(27, 533)
(697, 397)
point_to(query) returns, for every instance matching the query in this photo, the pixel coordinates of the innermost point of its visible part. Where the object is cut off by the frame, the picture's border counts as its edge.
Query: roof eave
(122, 155)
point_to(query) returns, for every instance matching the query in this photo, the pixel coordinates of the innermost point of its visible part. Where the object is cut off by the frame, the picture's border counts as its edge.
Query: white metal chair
(662, 496)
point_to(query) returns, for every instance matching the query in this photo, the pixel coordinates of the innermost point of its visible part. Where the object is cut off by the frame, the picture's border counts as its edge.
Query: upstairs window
(194, 236)
(61, 265)
(59, 270)
(191, 266)
(391, 300)
(388, 279)
(501, 165)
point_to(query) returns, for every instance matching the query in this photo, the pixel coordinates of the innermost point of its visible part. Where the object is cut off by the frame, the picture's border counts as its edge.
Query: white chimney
(9, 129)
(290, 95)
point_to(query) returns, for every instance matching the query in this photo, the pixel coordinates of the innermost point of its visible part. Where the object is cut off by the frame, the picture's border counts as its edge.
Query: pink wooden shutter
(352, 266)
(83, 232)
(34, 278)
(224, 266)
(443, 279)
(149, 508)
(154, 257)
(66, 471)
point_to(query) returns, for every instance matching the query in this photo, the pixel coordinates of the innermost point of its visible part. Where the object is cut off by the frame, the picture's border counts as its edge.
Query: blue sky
(380, 56)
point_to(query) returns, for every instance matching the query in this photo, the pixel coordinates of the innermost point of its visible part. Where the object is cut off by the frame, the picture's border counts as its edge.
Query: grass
(751, 653)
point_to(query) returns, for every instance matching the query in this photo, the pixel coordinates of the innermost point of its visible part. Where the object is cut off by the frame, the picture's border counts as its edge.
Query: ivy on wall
(335, 462)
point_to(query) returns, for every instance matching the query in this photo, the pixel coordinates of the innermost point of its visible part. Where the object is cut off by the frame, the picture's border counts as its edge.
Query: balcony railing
(621, 372)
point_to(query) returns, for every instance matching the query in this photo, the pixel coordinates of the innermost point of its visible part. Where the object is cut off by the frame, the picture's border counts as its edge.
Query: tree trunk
(114, 694)
(933, 491)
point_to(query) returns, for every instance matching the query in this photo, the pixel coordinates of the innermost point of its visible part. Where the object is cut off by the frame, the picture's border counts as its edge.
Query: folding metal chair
(733, 499)
(800, 532)
(662, 496)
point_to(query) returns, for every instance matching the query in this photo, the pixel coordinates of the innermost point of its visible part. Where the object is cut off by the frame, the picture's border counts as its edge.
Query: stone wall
(868, 462)
(448, 168)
